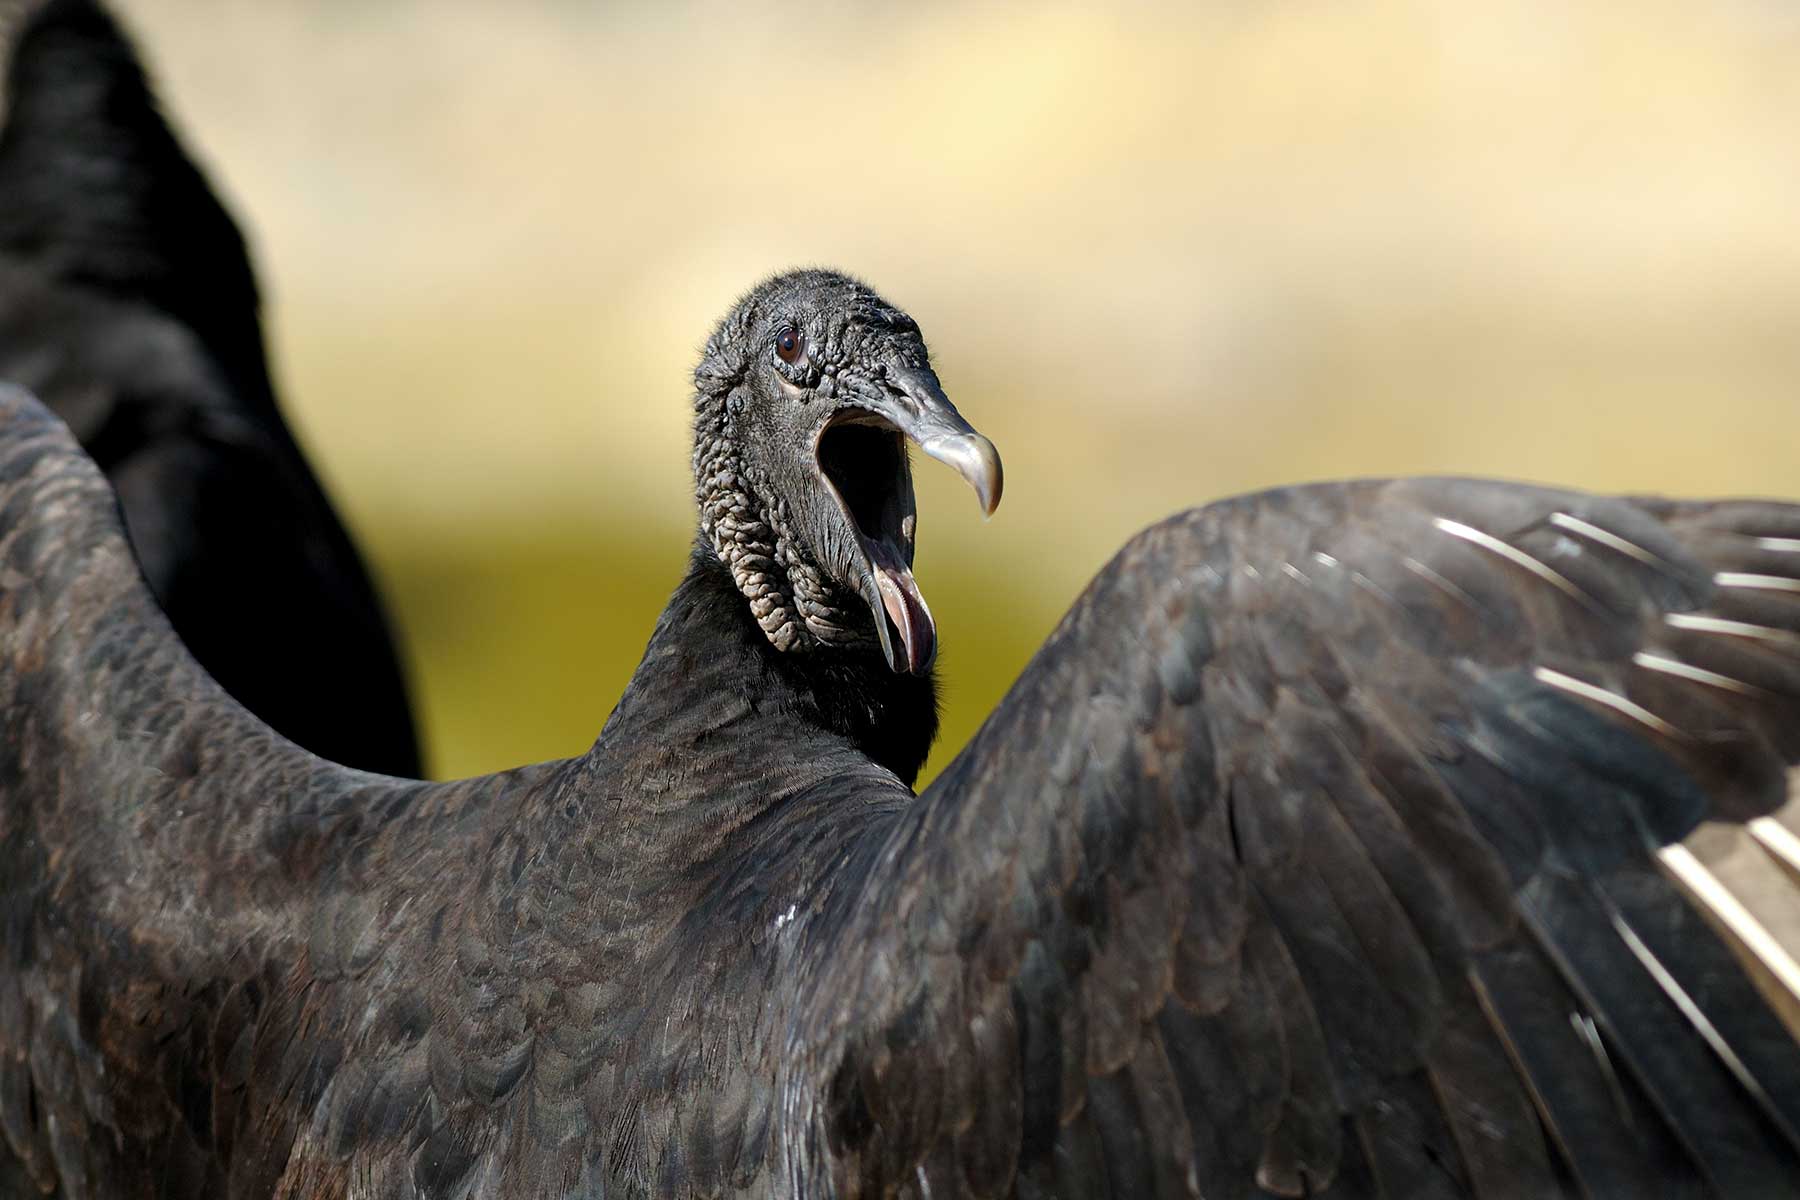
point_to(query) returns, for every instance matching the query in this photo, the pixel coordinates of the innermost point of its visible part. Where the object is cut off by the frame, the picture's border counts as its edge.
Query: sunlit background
(1161, 254)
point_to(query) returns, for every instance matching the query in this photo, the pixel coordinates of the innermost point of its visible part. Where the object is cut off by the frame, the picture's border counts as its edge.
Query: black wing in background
(1416, 838)
(128, 303)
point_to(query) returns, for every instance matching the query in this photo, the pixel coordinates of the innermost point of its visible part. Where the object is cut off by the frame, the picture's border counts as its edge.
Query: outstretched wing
(229, 968)
(197, 917)
(1416, 838)
(144, 922)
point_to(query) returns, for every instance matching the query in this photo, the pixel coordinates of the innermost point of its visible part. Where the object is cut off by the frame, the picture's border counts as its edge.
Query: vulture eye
(788, 345)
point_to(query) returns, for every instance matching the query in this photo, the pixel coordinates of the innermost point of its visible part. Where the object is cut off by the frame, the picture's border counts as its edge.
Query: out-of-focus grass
(1161, 252)
(520, 648)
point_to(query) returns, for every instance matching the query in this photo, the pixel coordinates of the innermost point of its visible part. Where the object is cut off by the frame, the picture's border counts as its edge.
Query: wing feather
(1344, 805)
(1494, 1123)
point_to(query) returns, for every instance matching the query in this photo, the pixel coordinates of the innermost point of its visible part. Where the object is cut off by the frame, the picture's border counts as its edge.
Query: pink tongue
(900, 596)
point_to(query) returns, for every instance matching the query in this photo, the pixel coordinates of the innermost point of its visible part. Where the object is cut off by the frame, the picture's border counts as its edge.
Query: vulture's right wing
(1405, 838)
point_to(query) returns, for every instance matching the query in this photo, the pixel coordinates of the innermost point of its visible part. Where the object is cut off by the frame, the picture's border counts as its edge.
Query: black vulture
(1392, 838)
(1405, 838)
(128, 304)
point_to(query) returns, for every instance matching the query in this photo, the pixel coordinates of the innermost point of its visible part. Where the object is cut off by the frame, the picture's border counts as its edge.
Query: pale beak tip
(974, 458)
(992, 479)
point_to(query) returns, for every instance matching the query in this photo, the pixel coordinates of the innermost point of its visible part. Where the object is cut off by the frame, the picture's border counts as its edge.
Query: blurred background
(1161, 253)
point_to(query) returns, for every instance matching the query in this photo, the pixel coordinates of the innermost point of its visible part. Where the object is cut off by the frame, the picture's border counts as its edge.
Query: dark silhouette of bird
(128, 304)
(1405, 838)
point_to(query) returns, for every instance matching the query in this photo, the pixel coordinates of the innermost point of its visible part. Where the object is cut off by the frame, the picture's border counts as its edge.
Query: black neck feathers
(712, 687)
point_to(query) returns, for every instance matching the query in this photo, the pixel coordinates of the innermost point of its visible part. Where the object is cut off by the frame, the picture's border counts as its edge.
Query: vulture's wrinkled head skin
(806, 397)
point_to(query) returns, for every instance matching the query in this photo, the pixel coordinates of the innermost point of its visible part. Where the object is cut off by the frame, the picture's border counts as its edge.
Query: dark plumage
(1356, 839)
(127, 303)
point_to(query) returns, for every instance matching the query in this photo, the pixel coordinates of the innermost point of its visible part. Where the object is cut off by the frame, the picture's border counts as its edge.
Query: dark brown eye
(788, 345)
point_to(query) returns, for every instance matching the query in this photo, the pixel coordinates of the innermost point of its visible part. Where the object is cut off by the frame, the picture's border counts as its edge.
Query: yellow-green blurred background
(1161, 253)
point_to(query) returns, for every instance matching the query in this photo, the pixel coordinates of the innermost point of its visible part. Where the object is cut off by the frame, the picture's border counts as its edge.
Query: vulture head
(806, 397)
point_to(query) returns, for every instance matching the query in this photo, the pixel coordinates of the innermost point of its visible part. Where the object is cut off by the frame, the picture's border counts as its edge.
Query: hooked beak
(923, 413)
(935, 426)
(908, 401)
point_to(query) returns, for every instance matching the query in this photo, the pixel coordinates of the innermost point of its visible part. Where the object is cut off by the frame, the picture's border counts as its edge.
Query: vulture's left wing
(1405, 838)
(198, 919)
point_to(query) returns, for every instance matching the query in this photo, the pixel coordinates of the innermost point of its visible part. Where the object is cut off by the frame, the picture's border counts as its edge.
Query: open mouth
(861, 454)
(862, 458)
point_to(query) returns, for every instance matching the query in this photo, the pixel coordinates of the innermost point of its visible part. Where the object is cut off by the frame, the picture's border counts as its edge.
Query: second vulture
(128, 305)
